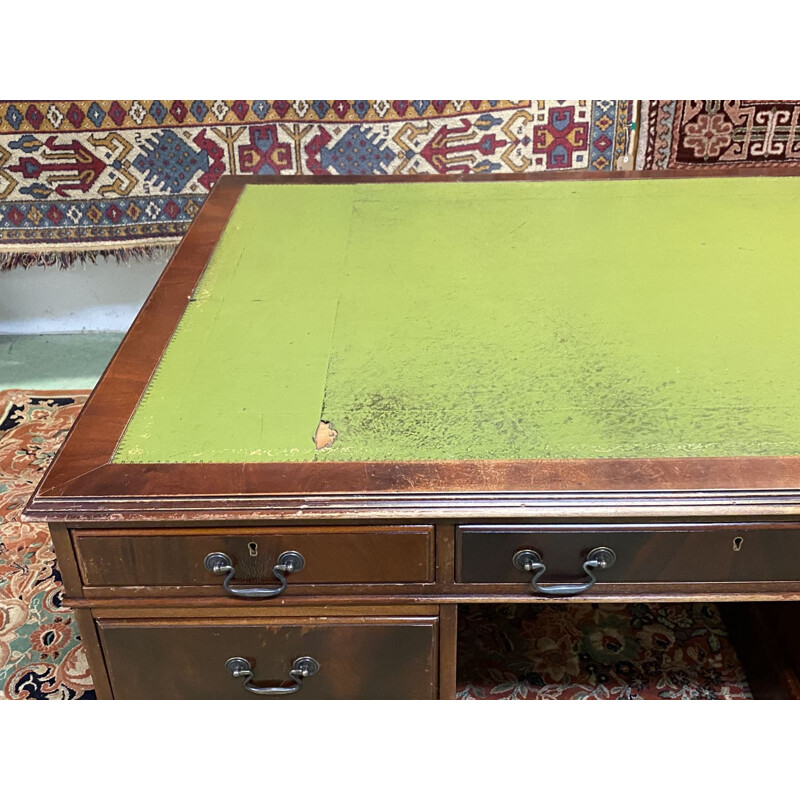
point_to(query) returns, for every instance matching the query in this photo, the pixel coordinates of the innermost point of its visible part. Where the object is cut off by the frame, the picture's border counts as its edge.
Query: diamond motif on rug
(78, 155)
(169, 162)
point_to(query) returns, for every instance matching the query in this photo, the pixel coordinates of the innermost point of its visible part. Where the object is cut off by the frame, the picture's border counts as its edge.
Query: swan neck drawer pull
(531, 561)
(221, 564)
(302, 668)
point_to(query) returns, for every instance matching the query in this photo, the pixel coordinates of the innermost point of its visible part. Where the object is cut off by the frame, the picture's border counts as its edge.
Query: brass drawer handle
(302, 668)
(221, 564)
(531, 561)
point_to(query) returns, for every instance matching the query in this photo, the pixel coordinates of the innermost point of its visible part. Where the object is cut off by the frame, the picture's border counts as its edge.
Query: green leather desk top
(508, 320)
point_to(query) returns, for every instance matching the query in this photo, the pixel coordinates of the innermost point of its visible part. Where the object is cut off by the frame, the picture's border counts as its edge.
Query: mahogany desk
(350, 405)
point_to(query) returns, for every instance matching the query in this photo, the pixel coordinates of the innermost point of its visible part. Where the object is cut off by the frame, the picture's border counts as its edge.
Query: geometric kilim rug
(718, 134)
(519, 652)
(81, 178)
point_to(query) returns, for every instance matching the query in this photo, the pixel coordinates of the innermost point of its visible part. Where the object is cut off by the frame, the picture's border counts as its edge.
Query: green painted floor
(55, 361)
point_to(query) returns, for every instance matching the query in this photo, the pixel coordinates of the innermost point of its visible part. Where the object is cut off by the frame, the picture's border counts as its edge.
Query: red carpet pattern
(582, 651)
(41, 656)
(719, 134)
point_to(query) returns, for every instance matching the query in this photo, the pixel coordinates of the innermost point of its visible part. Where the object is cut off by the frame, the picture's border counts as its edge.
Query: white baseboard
(104, 296)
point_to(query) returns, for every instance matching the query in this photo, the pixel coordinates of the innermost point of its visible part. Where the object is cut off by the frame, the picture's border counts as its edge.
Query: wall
(86, 297)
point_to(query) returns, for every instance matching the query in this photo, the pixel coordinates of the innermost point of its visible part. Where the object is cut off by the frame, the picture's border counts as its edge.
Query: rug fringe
(65, 259)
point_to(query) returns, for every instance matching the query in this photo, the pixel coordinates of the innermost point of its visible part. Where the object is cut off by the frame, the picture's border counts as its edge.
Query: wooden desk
(360, 403)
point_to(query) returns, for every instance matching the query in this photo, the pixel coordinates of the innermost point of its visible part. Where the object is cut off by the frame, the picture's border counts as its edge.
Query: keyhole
(737, 543)
(253, 548)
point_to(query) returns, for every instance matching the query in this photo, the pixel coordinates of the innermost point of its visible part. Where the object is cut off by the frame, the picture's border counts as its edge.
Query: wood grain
(367, 658)
(766, 642)
(448, 640)
(134, 598)
(94, 653)
(650, 554)
(158, 557)
(67, 560)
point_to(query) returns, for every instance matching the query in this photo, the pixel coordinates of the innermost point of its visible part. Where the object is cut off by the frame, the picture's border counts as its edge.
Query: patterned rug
(41, 656)
(582, 651)
(566, 651)
(718, 134)
(80, 178)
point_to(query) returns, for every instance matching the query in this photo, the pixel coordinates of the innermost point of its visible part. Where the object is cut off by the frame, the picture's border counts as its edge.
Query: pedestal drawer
(344, 658)
(177, 557)
(701, 553)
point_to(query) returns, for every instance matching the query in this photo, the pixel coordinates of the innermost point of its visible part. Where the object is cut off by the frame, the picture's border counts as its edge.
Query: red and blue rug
(510, 652)
(719, 135)
(84, 177)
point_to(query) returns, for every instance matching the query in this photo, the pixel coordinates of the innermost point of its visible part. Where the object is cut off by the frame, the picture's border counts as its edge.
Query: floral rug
(83, 177)
(566, 651)
(41, 656)
(718, 134)
(582, 651)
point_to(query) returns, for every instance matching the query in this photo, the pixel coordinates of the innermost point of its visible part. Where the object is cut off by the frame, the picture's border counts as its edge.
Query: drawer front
(171, 557)
(658, 554)
(373, 658)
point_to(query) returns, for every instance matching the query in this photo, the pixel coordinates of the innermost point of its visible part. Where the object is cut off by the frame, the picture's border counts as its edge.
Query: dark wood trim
(67, 559)
(445, 554)
(94, 653)
(762, 635)
(464, 593)
(545, 176)
(82, 484)
(296, 589)
(245, 530)
(416, 506)
(741, 519)
(376, 479)
(448, 638)
(250, 610)
(364, 618)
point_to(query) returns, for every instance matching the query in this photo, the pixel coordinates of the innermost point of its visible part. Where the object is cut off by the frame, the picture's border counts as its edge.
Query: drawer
(335, 554)
(643, 553)
(368, 658)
